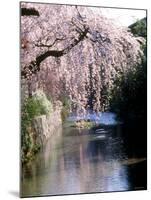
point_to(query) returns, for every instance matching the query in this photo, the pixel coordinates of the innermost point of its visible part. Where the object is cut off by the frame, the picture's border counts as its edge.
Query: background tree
(129, 98)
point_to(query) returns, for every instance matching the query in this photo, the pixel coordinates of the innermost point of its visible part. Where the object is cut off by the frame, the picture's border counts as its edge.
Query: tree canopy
(75, 51)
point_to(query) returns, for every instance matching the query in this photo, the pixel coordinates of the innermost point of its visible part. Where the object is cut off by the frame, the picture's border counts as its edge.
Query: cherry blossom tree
(74, 51)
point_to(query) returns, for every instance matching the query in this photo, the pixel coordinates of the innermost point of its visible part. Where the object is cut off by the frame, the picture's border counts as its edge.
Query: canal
(83, 161)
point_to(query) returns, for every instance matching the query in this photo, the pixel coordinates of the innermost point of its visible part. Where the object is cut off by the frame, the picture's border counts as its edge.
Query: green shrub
(38, 104)
(32, 107)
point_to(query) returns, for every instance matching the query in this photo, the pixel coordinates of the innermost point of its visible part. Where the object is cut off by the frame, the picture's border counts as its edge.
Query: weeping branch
(34, 66)
(40, 44)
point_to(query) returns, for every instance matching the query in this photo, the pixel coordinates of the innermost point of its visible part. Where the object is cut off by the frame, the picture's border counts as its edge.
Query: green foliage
(36, 148)
(33, 106)
(129, 95)
(129, 101)
(40, 104)
(139, 28)
(84, 124)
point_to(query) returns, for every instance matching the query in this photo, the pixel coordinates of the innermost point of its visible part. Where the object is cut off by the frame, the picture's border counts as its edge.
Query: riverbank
(40, 120)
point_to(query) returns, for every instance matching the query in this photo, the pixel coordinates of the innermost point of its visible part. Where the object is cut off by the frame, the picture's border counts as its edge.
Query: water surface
(82, 161)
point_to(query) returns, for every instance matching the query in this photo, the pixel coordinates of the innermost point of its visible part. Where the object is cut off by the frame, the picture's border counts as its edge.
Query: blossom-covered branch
(77, 52)
(34, 66)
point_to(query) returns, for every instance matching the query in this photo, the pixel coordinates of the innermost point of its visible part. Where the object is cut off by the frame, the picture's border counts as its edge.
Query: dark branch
(49, 45)
(81, 18)
(78, 29)
(29, 12)
(34, 66)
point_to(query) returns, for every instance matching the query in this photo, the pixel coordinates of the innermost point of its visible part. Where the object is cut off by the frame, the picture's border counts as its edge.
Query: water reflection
(73, 163)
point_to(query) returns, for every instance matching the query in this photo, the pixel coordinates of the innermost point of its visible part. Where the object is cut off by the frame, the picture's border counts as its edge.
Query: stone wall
(45, 126)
